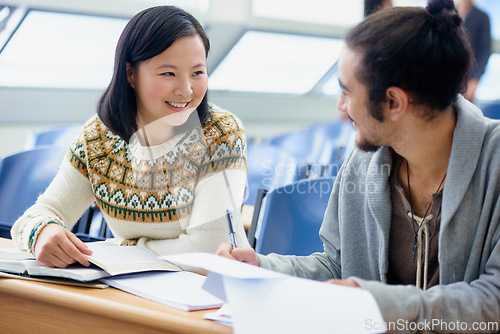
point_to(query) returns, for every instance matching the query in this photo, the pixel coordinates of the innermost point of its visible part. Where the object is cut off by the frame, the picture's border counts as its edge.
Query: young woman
(162, 164)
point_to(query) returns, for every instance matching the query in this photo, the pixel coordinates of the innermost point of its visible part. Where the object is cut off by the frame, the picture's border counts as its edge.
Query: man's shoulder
(360, 162)
(492, 136)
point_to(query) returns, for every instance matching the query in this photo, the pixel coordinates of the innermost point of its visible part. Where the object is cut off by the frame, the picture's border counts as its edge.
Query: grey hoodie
(356, 227)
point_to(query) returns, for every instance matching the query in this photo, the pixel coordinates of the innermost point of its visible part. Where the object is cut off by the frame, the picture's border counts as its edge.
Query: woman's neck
(154, 133)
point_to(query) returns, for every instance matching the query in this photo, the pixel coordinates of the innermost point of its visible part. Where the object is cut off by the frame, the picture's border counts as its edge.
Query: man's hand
(345, 282)
(58, 247)
(242, 254)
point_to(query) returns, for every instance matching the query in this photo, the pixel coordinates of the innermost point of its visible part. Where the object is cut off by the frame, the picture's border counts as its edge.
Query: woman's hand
(242, 254)
(58, 247)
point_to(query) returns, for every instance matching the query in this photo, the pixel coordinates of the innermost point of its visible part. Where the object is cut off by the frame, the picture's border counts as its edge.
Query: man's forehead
(349, 61)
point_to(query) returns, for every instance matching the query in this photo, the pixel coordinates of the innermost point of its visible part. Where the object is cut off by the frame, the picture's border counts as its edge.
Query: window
(492, 8)
(61, 50)
(489, 85)
(276, 62)
(331, 12)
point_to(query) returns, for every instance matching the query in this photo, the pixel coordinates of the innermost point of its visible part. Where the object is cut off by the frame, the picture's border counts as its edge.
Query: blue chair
(92, 226)
(321, 146)
(23, 177)
(57, 136)
(492, 111)
(336, 143)
(291, 216)
(269, 167)
(303, 144)
(26, 175)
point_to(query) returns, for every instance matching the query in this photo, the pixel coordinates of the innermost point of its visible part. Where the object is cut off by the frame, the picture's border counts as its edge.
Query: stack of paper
(182, 289)
(263, 301)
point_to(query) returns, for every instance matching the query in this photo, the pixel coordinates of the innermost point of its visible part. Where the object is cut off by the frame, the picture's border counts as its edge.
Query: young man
(414, 214)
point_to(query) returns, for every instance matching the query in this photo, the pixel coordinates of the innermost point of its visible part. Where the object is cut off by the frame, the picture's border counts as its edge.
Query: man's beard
(366, 146)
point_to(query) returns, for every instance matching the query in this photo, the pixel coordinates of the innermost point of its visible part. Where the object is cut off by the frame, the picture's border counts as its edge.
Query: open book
(14, 254)
(116, 260)
(107, 259)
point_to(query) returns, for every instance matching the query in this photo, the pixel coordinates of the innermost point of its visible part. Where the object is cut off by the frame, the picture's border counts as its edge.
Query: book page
(57, 280)
(14, 254)
(13, 266)
(74, 271)
(33, 268)
(127, 259)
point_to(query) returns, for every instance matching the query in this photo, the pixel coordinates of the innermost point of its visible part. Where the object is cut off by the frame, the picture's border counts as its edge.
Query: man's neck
(427, 147)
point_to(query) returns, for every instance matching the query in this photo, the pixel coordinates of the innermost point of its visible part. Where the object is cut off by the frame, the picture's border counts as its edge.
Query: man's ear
(397, 102)
(130, 75)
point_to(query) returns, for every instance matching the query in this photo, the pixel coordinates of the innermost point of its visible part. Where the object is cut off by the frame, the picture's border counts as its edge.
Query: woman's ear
(130, 75)
(397, 102)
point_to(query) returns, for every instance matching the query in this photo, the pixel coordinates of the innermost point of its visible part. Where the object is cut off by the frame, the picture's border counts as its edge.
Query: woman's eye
(197, 73)
(169, 74)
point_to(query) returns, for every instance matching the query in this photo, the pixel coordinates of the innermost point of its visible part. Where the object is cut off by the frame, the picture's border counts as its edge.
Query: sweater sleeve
(207, 225)
(63, 202)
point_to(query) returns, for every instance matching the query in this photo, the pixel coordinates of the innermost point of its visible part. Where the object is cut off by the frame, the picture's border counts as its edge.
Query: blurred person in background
(477, 24)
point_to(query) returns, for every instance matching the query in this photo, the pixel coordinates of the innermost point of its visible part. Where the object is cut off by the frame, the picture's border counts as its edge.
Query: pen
(232, 235)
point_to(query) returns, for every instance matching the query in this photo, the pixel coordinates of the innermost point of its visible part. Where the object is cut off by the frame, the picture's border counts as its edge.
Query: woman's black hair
(426, 52)
(146, 35)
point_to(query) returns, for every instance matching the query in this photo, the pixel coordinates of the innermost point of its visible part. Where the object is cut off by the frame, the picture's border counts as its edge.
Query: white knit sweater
(169, 198)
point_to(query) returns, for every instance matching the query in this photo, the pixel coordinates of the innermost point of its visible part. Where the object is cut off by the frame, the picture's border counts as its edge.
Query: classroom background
(272, 62)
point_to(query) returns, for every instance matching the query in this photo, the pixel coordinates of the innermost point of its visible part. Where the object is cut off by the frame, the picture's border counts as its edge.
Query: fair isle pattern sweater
(169, 198)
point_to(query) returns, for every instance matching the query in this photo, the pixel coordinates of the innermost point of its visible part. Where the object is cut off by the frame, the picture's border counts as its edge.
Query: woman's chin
(177, 119)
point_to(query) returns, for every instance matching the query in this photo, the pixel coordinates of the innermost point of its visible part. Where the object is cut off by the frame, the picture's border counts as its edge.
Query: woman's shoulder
(96, 139)
(94, 129)
(223, 119)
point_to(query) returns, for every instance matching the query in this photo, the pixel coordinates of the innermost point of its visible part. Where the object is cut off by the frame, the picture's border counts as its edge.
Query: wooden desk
(33, 307)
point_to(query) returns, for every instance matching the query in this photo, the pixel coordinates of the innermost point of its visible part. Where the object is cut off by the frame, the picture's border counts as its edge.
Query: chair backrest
(57, 136)
(92, 226)
(291, 217)
(303, 144)
(269, 167)
(336, 143)
(322, 146)
(492, 111)
(23, 177)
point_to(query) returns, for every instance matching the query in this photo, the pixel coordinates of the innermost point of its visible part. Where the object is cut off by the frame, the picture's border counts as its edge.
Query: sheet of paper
(296, 305)
(214, 284)
(221, 265)
(222, 315)
(263, 301)
(181, 289)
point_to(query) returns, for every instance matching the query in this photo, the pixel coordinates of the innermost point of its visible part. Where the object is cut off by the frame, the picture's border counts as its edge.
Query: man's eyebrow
(344, 87)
